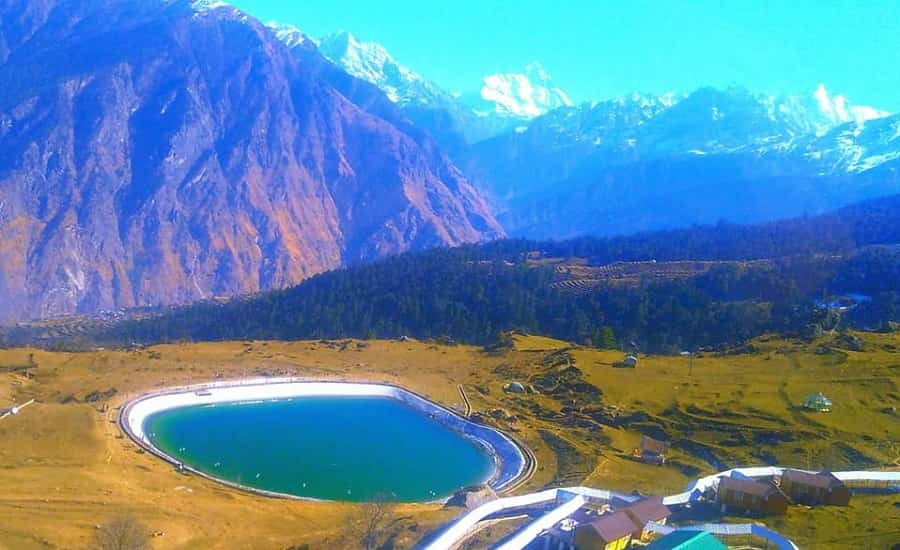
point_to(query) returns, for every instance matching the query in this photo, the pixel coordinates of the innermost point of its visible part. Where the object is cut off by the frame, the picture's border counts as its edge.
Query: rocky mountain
(290, 35)
(452, 124)
(640, 163)
(548, 149)
(371, 62)
(855, 148)
(527, 116)
(159, 151)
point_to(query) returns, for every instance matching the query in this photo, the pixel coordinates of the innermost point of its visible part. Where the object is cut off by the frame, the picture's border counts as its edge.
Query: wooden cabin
(748, 495)
(608, 532)
(653, 451)
(814, 488)
(643, 512)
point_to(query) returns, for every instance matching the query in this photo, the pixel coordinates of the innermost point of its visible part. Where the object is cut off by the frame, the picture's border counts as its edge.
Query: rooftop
(648, 444)
(747, 486)
(613, 526)
(820, 479)
(649, 509)
(688, 540)
(817, 398)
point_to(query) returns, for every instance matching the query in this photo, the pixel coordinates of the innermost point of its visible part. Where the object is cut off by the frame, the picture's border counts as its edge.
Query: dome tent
(817, 402)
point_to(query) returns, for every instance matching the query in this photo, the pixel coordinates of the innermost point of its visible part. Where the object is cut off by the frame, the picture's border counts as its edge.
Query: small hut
(645, 511)
(652, 451)
(514, 387)
(748, 495)
(817, 402)
(607, 532)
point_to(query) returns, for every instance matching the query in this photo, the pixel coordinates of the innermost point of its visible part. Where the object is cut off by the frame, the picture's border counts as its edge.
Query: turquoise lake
(335, 448)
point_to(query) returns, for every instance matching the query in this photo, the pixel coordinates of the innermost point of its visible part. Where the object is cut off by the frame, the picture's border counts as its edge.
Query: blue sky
(600, 49)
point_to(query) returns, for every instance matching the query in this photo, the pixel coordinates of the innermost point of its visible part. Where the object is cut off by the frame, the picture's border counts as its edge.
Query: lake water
(335, 448)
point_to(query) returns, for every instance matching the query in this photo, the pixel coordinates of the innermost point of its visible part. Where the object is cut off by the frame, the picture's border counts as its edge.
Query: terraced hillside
(575, 275)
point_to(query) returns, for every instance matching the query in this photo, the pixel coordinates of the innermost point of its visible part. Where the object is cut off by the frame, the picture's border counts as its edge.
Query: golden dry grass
(65, 467)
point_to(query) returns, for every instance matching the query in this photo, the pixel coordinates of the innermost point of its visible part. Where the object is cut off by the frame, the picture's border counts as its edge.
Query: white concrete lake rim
(510, 462)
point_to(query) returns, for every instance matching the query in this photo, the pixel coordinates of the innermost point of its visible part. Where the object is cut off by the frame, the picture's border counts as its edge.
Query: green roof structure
(688, 540)
(817, 402)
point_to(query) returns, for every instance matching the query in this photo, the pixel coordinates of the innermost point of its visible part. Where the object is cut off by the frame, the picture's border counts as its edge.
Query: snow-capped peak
(208, 8)
(207, 5)
(289, 34)
(838, 110)
(371, 62)
(669, 98)
(527, 95)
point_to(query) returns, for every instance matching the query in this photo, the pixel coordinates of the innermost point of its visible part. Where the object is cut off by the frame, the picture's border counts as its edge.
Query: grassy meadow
(65, 466)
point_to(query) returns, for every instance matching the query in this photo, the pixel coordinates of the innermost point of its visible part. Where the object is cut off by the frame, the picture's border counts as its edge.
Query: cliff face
(155, 152)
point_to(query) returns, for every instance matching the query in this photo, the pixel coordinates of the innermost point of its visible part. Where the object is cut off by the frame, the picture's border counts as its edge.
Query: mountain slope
(197, 158)
(451, 124)
(702, 286)
(371, 62)
(643, 163)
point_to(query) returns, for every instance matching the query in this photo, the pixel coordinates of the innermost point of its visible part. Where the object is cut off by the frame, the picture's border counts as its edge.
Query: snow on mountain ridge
(206, 5)
(610, 122)
(838, 110)
(289, 34)
(853, 148)
(526, 95)
(520, 95)
(371, 62)
(504, 102)
(730, 121)
(714, 121)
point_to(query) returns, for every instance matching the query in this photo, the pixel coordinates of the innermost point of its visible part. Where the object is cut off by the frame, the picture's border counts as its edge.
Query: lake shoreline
(511, 462)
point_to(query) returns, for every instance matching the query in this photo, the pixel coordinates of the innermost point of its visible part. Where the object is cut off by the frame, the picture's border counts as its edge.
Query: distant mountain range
(552, 169)
(165, 151)
(519, 98)
(501, 102)
(643, 163)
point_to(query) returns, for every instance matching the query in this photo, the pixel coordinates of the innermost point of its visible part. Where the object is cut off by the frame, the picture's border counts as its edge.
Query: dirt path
(465, 398)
